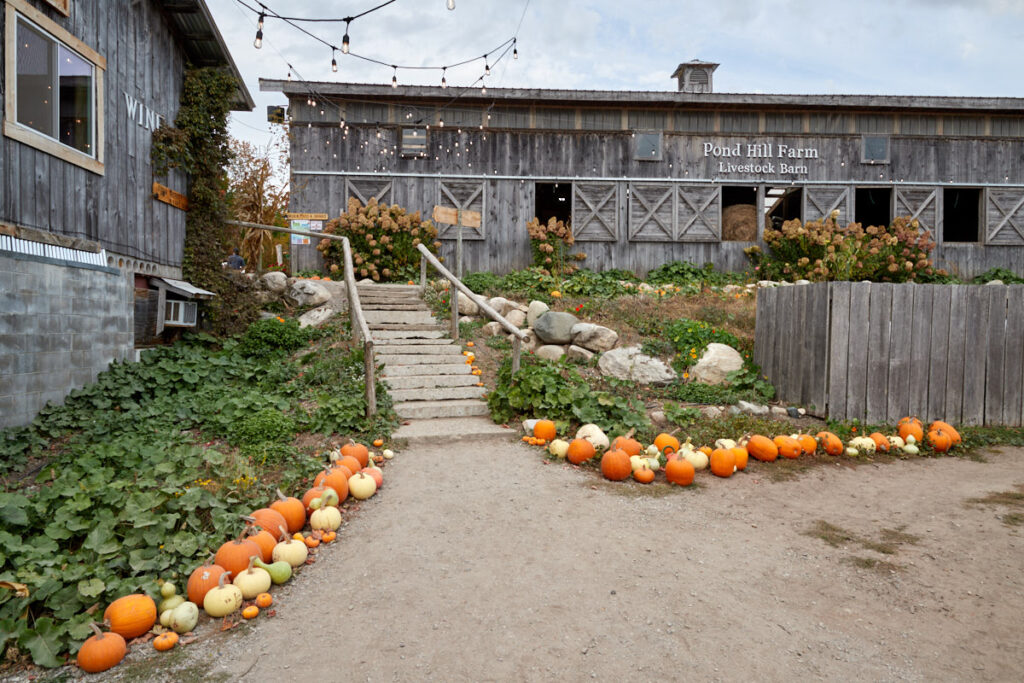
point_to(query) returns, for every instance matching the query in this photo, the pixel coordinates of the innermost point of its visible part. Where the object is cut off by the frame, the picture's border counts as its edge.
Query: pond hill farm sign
(766, 157)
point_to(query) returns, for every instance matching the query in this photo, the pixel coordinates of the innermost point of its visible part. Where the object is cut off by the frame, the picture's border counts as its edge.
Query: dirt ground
(484, 562)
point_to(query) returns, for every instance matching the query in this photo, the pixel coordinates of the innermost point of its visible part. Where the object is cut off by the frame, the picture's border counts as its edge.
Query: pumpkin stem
(220, 580)
(630, 433)
(281, 496)
(252, 560)
(283, 538)
(96, 627)
(249, 520)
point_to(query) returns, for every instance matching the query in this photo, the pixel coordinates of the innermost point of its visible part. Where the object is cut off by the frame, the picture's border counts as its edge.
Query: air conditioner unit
(179, 313)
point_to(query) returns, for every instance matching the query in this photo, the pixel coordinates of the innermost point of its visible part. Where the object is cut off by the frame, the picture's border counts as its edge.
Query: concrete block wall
(60, 325)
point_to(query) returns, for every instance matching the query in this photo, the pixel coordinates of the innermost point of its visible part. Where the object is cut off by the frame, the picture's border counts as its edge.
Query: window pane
(75, 101)
(35, 79)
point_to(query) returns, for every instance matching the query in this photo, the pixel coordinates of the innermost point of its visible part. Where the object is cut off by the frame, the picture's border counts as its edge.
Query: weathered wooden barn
(650, 177)
(90, 247)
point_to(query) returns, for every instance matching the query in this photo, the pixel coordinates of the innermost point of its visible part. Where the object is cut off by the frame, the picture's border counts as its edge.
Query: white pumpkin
(223, 599)
(184, 617)
(292, 551)
(852, 452)
(361, 486)
(698, 459)
(896, 441)
(558, 448)
(636, 462)
(911, 449)
(653, 463)
(653, 451)
(863, 443)
(388, 453)
(325, 519)
(253, 581)
(725, 443)
(592, 433)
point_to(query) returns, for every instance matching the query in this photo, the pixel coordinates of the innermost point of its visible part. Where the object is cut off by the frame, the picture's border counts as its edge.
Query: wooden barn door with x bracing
(820, 201)
(595, 212)
(699, 213)
(1005, 211)
(463, 195)
(921, 204)
(364, 188)
(652, 212)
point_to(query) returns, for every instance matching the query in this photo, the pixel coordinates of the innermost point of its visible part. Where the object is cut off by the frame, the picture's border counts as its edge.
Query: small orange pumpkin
(629, 445)
(913, 429)
(948, 428)
(377, 443)
(264, 600)
(788, 446)
(358, 452)
(679, 471)
(266, 541)
(762, 448)
(580, 450)
(723, 462)
(830, 443)
(666, 443)
(234, 555)
(706, 450)
(808, 444)
(940, 440)
(644, 474)
(337, 479)
(132, 615)
(269, 519)
(311, 541)
(351, 463)
(328, 538)
(740, 453)
(165, 641)
(202, 579)
(101, 651)
(544, 429)
(881, 443)
(293, 511)
(615, 465)
(251, 612)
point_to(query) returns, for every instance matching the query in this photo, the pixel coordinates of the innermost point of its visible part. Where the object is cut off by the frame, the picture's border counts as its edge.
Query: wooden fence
(876, 352)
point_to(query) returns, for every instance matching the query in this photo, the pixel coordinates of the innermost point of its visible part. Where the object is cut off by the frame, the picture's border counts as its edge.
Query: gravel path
(483, 562)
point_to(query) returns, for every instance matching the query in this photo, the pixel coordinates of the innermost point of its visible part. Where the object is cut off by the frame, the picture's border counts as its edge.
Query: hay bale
(739, 223)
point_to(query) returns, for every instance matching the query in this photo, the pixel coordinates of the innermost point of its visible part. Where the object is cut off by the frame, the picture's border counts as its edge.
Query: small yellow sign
(306, 216)
(446, 214)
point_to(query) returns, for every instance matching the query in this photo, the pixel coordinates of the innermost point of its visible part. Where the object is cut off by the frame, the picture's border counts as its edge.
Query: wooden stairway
(434, 390)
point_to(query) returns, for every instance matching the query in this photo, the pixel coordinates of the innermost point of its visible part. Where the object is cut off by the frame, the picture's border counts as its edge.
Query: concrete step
(388, 296)
(411, 349)
(399, 341)
(462, 407)
(407, 331)
(428, 381)
(417, 359)
(436, 393)
(425, 370)
(389, 289)
(453, 429)
(392, 307)
(399, 318)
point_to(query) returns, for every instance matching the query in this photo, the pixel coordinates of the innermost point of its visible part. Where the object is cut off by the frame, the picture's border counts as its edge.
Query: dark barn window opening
(873, 206)
(739, 214)
(961, 214)
(781, 204)
(553, 200)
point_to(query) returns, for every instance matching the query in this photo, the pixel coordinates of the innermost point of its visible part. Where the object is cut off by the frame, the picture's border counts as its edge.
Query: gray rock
(516, 317)
(711, 412)
(275, 281)
(658, 418)
(528, 426)
(308, 293)
(766, 283)
(555, 327)
(732, 289)
(994, 282)
(467, 306)
(594, 337)
(316, 317)
(535, 310)
(802, 282)
(752, 408)
(716, 363)
(628, 363)
(492, 329)
(733, 410)
(801, 411)
(550, 352)
(779, 411)
(466, 319)
(501, 304)
(531, 343)
(578, 353)
(792, 412)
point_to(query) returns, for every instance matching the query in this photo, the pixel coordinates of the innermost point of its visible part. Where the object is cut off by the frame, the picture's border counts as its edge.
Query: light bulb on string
(344, 41)
(444, 81)
(259, 22)
(334, 62)
(394, 78)
(515, 50)
(483, 88)
(450, 4)
(487, 67)
(258, 43)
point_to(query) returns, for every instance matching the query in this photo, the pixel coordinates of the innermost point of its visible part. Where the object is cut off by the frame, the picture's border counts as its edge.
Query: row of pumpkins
(625, 457)
(270, 548)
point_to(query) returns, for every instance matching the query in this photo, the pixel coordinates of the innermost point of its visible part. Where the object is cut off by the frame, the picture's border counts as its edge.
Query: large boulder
(501, 304)
(531, 343)
(274, 281)
(492, 329)
(534, 311)
(516, 317)
(467, 306)
(308, 293)
(550, 352)
(555, 327)
(578, 353)
(716, 364)
(629, 363)
(594, 337)
(316, 317)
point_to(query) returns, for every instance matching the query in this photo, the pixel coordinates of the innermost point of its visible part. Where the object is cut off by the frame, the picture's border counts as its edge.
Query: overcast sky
(906, 47)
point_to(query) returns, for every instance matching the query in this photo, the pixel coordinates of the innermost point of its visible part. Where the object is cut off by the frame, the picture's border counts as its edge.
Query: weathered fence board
(878, 351)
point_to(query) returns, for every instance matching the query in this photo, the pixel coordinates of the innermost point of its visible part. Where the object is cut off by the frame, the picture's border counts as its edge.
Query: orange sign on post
(164, 194)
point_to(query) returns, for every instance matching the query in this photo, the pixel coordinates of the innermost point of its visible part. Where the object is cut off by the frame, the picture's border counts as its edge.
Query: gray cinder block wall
(60, 326)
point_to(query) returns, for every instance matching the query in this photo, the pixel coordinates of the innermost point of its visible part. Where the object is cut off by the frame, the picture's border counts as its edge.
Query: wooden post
(458, 247)
(517, 347)
(453, 301)
(423, 275)
(370, 372)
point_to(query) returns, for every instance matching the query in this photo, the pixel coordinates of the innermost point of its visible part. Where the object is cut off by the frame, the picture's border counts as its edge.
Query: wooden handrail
(359, 325)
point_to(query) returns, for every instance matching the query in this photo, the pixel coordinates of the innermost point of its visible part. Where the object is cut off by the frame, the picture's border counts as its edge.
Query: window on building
(553, 200)
(961, 214)
(873, 206)
(414, 142)
(874, 149)
(647, 146)
(739, 214)
(56, 101)
(781, 204)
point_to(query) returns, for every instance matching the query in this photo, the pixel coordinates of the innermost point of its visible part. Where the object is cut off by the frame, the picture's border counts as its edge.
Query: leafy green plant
(262, 426)
(692, 275)
(679, 415)
(1006, 276)
(275, 336)
(482, 282)
(688, 338)
(531, 283)
(603, 285)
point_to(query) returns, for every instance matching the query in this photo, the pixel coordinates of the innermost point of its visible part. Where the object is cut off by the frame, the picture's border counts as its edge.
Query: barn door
(1004, 210)
(699, 214)
(821, 201)
(365, 188)
(651, 212)
(595, 212)
(464, 195)
(921, 203)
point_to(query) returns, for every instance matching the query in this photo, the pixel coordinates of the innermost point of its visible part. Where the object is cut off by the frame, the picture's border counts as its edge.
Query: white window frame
(19, 10)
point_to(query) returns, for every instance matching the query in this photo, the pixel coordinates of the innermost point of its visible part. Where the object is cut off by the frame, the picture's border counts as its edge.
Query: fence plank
(763, 339)
(938, 371)
(900, 341)
(955, 354)
(860, 298)
(1013, 394)
(797, 343)
(876, 388)
(995, 364)
(816, 364)
(921, 349)
(976, 324)
(839, 350)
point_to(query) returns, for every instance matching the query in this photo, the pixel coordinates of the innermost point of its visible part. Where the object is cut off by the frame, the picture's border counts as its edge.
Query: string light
(487, 67)
(334, 62)
(344, 40)
(258, 43)
(450, 4)
(515, 50)
(444, 81)
(394, 78)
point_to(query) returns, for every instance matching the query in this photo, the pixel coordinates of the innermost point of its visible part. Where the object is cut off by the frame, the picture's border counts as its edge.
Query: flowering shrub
(383, 239)
(822, 250)
(550, 243)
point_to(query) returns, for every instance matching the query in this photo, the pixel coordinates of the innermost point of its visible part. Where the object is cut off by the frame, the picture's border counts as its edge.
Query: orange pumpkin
(830, 443)
(740, 453)
(351, 463)
(627, 444)
(251, 612)
(666, 443)
(762, 448)
(679, 471)
(101, 651)
(706, 450)
(165, 641)
(808, 445)
(881, 443)
(374, 472)
(329, 536)
(358, 452)
(269, 519)
(234, 555)
(266, 541)
(132, 615)
(308, 497)
(723, 462)
(293, 511)
(913, 429)
(615, 465)
(909, 420)
(580, 450)
(378, 442)
(940, 440)
(311, 541)
(337, 479)
(544, 429)
(264, 600)
(788, 446)
(644, 475)
(948, 428)
(202, 579)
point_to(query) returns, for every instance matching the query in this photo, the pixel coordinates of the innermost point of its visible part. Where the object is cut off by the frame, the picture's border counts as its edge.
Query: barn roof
(651, 98)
